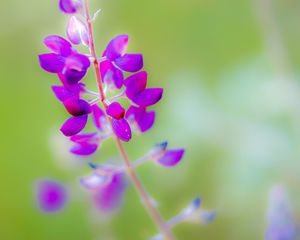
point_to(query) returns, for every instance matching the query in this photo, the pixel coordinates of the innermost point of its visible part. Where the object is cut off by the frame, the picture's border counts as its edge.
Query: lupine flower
(51, 195)
(107, 185)
(162, 156)
(70, 6)
(65, 61)
(77, 31)
(137, 92)
(192, 213)
(117, 61)
(281, 222)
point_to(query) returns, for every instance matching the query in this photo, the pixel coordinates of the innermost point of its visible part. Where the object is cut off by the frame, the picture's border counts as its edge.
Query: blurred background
(230, 70)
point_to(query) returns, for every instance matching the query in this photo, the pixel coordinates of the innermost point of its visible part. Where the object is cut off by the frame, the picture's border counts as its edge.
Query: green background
(230, 73)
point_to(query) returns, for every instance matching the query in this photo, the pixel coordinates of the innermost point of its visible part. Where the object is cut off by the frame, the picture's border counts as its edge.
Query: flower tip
(92, 165)
(196, 202)
(162, 145)
(208, 216)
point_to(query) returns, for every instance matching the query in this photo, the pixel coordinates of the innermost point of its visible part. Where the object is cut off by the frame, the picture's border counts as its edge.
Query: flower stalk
(153, 212)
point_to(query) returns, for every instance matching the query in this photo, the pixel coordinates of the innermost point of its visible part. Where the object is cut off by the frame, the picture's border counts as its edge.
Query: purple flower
(62, 93)
(107, 184)
(70, 6)
(74, 125)
(120, 125)
(70, 65)
(137, 92)
(117, 61)
(140, 118)
(281, 222)
(171, 157)
(51, 196)
(86, 144)
(77, 31)
(111, 195)
(115, 110)
(122, 129)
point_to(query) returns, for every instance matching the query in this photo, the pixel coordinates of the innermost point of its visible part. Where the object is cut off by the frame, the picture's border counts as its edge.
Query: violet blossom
(110, 118)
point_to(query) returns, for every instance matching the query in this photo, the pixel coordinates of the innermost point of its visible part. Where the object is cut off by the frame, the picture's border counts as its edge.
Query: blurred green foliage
(223, 101)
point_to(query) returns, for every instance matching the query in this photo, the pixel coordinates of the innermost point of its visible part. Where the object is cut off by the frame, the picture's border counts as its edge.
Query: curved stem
(153, 212)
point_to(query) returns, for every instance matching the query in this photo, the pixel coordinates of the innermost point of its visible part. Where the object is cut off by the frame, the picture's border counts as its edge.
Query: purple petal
(110, 197)
(111, 75)
(171, 157)
(116, 47)
(85, 138)
(135, 84)
(130, 62)
(135, 113)
(115, 110)
(51, 196)
(78, 62)
(70, 6)
(77, 31)
(62, 93)
(95, 180)
(77, 107)
(98, 117)
(143, 119)
(58, 45)
(84, 149)
(122, 129)
(74, 125)
(52, 62)
(148, 97)
(75, 68)
(147, 121)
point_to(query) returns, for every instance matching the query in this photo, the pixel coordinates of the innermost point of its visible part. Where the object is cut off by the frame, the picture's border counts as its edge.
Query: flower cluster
(120, 75)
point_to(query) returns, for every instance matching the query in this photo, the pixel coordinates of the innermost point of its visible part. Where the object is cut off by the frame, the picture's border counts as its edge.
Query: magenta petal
(115, 110)
(135, 84)
(148, 97)
(122, 129)
(77, 107)
(84, 149)
(147, 121)
(74, 125)
(116, 47)
(70, 6)
(85, 138)
(130, 62)
(135, 113)
(62, 93)
(78, 62)
(171, 157)
(111, 75)
(58, 45)
(98, 116)
(52, 62)
(110, 197)
(51, 195)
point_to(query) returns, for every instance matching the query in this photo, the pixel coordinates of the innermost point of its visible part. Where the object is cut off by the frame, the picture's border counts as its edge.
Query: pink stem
(153, 212)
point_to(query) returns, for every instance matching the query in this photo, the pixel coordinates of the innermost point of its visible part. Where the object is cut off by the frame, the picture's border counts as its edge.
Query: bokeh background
(230, 70)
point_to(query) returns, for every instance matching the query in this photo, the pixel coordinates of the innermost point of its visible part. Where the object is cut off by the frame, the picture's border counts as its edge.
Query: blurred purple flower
(281, 222)
(70, 6)
(107, 184)
(51, 195)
